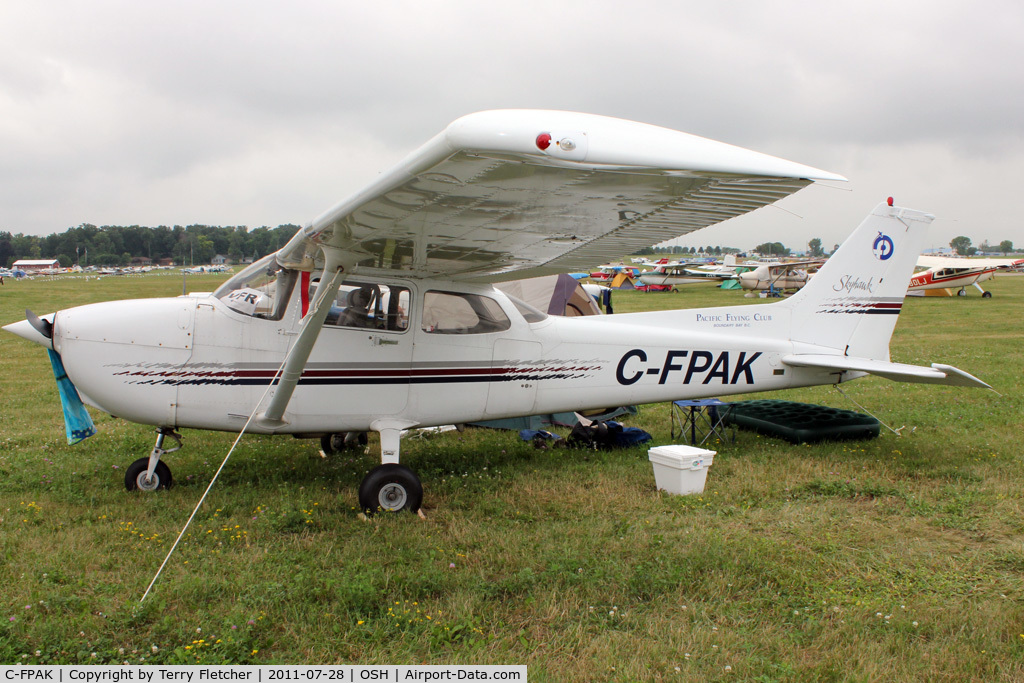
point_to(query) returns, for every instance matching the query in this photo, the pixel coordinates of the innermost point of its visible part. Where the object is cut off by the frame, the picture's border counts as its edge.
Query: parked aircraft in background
(672, 274)
(778, 277)
(716, 271)
(609, 271)
(381, 313)
(939, 272)
(196, 270)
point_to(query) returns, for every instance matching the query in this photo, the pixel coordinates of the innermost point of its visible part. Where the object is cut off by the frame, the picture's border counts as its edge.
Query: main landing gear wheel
(390, 488)
(986, 295)
(342, 441)
(135, 477)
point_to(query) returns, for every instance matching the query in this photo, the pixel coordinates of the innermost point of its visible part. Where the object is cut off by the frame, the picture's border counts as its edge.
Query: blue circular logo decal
(882, 247)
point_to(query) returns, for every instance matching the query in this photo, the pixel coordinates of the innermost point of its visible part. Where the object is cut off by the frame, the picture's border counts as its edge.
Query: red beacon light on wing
(543, 141)
(889, 200)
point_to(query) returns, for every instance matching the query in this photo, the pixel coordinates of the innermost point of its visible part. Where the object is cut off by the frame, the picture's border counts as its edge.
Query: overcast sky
(257, 113)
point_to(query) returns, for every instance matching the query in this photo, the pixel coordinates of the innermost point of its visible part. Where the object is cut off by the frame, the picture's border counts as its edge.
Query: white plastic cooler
(680, 469)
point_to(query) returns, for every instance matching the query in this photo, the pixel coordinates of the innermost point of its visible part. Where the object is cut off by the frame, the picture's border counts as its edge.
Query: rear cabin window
(458, 313)
(369, 306)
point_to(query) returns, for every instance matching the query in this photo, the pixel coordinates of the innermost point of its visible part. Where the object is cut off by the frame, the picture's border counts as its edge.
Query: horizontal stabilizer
(897, 372)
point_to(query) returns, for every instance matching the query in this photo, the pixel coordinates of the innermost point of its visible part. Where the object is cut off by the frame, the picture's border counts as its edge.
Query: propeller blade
(43, 327)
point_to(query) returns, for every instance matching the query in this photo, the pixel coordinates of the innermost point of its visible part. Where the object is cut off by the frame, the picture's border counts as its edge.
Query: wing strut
(299, 353)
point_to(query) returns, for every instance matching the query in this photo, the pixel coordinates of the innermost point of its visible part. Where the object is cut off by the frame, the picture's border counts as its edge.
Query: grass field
(900, 558)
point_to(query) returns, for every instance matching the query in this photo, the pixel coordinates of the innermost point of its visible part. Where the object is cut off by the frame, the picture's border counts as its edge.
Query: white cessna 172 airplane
(381, 314)
(779, 277)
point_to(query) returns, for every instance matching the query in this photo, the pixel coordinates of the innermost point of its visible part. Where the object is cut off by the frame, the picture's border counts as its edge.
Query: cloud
(115, 112)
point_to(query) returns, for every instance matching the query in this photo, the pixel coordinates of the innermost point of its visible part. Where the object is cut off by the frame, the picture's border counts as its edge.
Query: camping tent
(553, 294)
(622, 281)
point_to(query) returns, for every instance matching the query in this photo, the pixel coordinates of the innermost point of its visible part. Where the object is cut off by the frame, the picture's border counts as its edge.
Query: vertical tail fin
(854, 300)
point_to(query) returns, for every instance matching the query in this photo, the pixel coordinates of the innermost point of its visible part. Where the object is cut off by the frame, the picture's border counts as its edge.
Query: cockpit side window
(459, 313)
(369, 306)
(262, 290)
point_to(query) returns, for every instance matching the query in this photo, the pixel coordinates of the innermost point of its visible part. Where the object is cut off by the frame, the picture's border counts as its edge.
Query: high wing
(971, 263)
(779, 268)
(511, 194)
(681, 267)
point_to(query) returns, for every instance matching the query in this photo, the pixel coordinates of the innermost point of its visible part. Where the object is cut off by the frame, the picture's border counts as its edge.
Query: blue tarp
(77, 422)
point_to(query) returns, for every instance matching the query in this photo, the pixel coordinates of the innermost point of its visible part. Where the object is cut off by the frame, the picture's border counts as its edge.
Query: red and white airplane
(381, 314)
(944, 272)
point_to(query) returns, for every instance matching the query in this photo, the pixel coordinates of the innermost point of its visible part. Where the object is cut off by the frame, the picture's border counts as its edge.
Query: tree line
(708, 250)
(766, 249)
(115, 245)
(962, 246)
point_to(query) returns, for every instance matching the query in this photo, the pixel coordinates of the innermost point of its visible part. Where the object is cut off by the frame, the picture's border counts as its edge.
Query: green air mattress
(801, 422)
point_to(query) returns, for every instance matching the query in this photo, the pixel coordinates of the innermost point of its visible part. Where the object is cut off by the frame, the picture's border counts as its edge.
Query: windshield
(261, 290)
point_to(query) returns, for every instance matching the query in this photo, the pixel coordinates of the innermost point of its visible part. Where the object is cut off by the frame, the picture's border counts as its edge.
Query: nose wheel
(136, 479)
(150, 474)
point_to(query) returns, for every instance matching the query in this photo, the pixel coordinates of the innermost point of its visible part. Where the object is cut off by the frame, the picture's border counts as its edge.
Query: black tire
(962, 292)
(390, 488)
(135, 476)
(332, 444)
(986, 295)
(328, 441)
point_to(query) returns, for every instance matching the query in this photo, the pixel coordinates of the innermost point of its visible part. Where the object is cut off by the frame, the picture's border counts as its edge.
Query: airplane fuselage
(943, 278)
(196, 362)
